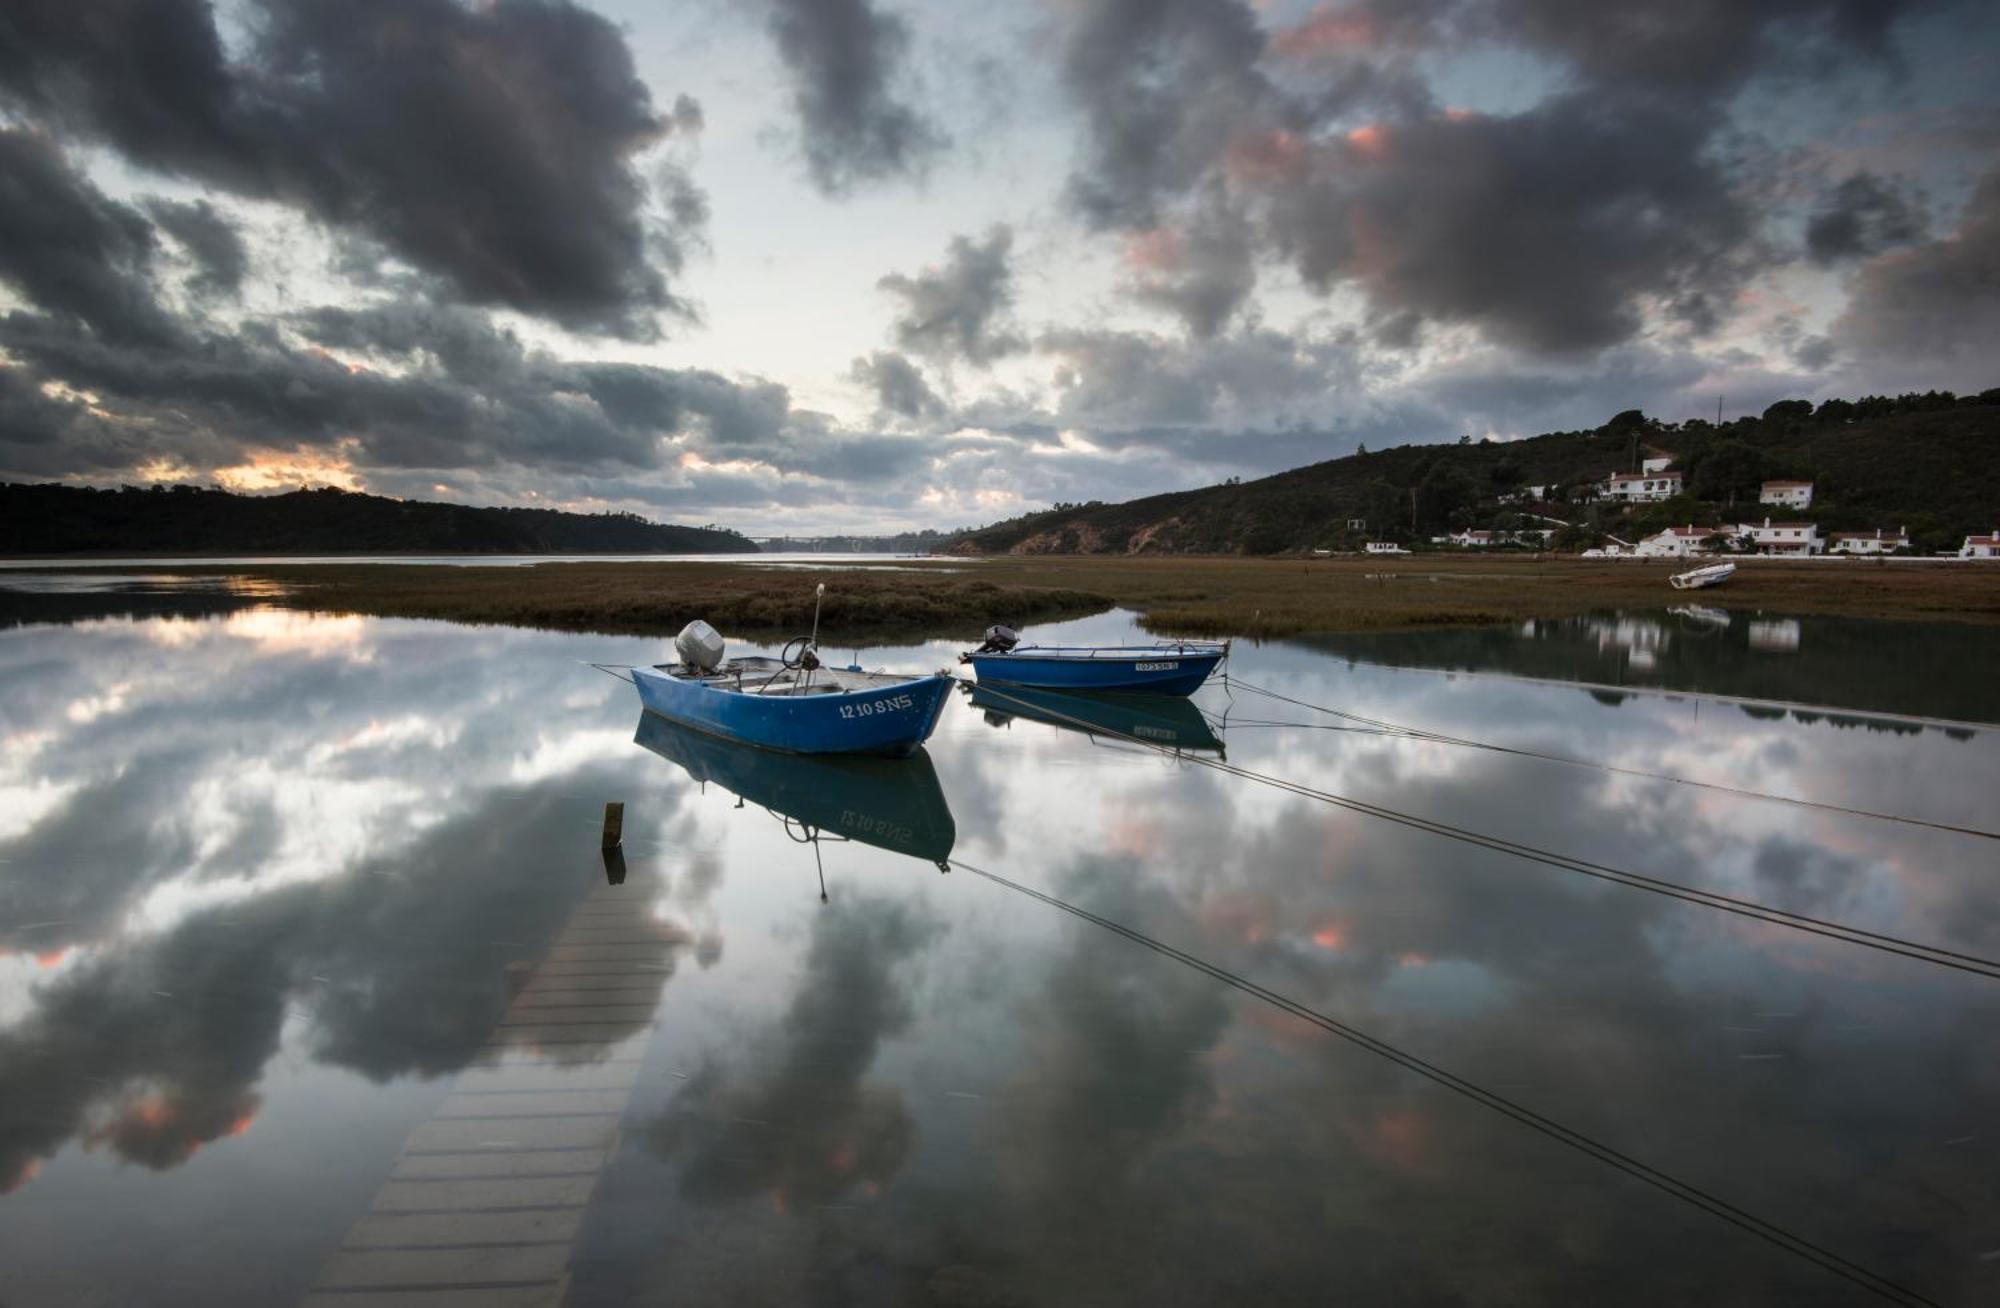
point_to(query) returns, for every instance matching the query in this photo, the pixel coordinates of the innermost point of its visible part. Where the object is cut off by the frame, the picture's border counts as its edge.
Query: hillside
(54, 519)
(1930, 462)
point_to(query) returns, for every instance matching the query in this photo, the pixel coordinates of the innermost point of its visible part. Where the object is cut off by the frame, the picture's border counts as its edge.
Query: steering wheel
(805, 659)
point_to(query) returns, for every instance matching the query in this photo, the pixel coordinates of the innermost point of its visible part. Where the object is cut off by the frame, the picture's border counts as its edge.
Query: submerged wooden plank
(557, 996)
(485, 1194)
(415, 1230)
(406, 1268)
(531, 1078)
(624, 967)
(593, 953)
(584, 1015)
(540, 1104)
(541, 1294)
(499, 1163)
(443, 1135)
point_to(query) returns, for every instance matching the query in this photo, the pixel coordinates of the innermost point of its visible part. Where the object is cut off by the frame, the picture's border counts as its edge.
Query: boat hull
(890, 720)
(1702, 578)
(1158, 672)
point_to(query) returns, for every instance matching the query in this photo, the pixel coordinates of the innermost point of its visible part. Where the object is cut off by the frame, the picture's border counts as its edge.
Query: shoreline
(1190, 595)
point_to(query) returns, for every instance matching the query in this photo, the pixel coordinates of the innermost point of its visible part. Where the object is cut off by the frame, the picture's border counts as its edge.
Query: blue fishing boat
(792, 703)
(1178, 668)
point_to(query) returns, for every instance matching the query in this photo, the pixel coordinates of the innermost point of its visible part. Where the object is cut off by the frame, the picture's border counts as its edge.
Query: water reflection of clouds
(288, 829)
(934, 1086)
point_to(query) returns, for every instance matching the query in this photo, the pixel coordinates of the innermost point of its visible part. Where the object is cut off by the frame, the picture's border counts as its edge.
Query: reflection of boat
(1175, 669)
(1713, 575)
(794, 704)
(1702, 615)
(1169, 721)
(892, 804)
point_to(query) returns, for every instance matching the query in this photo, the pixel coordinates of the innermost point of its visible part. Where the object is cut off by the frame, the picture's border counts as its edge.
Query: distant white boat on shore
(1703, 577)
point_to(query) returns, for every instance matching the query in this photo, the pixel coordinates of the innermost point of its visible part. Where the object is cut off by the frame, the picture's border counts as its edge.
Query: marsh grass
(1193, 596)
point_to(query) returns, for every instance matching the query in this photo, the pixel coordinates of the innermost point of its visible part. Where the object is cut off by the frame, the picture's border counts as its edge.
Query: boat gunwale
(1084, 653)
(888, 681)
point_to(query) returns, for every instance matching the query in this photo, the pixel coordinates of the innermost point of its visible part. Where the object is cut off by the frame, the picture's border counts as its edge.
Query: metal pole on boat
(818, 595)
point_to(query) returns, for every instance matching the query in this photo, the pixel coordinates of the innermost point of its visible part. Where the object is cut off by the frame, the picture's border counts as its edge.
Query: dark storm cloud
(490, 147)
(845, 58)
(1674, 48)
(1164, 88)
(1862, 216)
(960, 310)
(898, 385)
(1933, 307)
(1552, 229)
(73, 250)
(1556, 228)
(210, 239)
(437, 387)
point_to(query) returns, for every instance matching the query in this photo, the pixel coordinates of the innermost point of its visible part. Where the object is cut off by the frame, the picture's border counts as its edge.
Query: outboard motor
(999, 640)
(699, 646)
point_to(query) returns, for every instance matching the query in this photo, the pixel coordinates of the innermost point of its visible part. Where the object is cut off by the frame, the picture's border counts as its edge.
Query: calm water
(306, 943)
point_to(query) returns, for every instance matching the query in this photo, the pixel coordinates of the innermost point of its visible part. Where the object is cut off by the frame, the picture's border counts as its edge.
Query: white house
(1472, 540)
(1384, 547)
(1789, 494)
(1981, 547)
(1783, 537)
(1636, 487)
(1658, 464)
(1680, 542)
(1869, 542)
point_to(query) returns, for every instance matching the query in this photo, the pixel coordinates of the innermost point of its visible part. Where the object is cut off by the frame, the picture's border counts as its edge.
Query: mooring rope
(1685, 1191)
(1774, 916)
(1418, 733)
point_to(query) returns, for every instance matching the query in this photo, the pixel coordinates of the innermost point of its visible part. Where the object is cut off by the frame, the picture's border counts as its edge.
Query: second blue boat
(1178, 668)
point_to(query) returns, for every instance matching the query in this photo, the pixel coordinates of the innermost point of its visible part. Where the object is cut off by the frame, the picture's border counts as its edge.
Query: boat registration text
(1155, 667)
(869, 708)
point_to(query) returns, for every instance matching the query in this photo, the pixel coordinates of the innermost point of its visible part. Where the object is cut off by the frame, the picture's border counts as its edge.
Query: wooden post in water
(614, 825)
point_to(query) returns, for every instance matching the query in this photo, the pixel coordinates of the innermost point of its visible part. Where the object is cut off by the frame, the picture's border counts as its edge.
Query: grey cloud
(71, 249)
(490, 147)
(1261, 379)
(1933, 309)
(844, 58)
(1548, 229)
(1554, 228)
(1687, 50)
(1201, 270)
(1165, 86)
(899, 386)
(1862, 216)
(959, 310)
(210, 239)
(463, 393)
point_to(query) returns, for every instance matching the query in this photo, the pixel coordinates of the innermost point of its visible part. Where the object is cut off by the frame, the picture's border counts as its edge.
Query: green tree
(1728, 470)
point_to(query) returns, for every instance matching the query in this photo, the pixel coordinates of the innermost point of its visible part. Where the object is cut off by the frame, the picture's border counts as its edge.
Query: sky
(813, 266)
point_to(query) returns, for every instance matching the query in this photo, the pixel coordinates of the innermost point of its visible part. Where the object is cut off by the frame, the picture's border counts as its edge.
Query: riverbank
(1178, 595)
